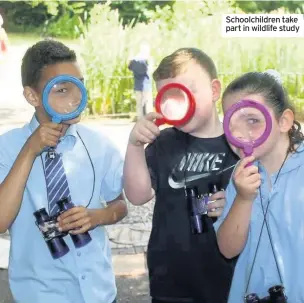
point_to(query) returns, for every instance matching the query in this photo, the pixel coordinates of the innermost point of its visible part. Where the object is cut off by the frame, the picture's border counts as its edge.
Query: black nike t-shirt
(183, 266)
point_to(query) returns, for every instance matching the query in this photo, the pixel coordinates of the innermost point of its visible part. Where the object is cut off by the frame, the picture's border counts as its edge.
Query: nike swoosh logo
(180, 184)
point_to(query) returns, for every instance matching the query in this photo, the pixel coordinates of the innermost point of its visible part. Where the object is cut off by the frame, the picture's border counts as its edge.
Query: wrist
(135, 146)
(135, 143)
(96, 217)
(29, 152)
(244, 200)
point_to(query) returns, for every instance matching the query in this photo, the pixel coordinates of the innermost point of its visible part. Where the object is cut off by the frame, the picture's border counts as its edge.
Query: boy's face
(205, 91)
(57, 97)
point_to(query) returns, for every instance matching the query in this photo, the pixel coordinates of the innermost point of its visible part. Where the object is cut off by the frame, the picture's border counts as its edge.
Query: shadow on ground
(130, 289)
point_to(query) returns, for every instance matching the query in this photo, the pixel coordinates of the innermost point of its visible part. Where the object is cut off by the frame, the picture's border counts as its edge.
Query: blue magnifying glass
(64, 98)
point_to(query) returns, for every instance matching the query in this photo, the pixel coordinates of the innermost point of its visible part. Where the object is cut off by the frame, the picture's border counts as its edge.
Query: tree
(56, 17)
(268, 6)
(135, 10)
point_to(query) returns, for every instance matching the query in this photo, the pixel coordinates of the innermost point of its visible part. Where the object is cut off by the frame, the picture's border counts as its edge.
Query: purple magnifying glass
(247, 125)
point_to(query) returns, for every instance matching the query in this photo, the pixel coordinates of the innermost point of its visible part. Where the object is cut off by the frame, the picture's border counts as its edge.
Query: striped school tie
(56, 181)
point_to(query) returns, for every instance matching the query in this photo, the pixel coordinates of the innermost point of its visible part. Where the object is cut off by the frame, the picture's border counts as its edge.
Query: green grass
(19, 39)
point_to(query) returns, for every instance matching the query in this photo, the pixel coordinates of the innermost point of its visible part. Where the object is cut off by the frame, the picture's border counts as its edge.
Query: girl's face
(248, 124)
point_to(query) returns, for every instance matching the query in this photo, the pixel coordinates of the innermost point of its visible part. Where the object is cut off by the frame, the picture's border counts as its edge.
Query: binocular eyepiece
(197, 209)
(52, 236)
(276, 295)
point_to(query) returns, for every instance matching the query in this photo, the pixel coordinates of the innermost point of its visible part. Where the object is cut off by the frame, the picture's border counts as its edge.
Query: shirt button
(79, 254)
(83, 277)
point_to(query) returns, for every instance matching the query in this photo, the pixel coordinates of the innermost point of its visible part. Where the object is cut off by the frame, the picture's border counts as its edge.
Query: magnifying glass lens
(65, 97)
(247, 124)
(174, 104)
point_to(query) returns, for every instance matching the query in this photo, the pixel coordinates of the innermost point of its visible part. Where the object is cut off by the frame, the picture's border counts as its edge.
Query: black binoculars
(52, 236)
(197, 205)
(276, 295)
(197, 209)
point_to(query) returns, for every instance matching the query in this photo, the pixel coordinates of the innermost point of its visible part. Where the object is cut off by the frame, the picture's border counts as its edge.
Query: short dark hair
(40, 55)
(275, 95)
(175, 64)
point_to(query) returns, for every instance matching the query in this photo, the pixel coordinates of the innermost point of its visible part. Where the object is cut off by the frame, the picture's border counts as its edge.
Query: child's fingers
(257, 184)
(216, 204)
(146, 133)
(55, 126)
(152, 127)
(84, 228)
(143, 139)
(253, 178)
(217, 196)
(250, 170)
(152, 116)
(215, 213)
(243, 164)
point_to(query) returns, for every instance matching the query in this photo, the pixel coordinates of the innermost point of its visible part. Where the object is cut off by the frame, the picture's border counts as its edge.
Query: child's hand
(216, 204)
(145, 131)
(247, 180)
(45, 135)
(76, 220)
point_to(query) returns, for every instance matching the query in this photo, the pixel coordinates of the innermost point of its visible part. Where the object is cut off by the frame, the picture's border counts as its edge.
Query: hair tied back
(275, 74)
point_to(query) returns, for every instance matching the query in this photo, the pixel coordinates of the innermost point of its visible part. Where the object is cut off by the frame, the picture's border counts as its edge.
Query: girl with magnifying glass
(263, 218)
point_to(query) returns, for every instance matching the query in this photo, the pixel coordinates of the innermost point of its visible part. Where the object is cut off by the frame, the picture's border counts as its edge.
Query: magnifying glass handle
(159, 122)
(248, 164)
(56, 120)
(248, 155)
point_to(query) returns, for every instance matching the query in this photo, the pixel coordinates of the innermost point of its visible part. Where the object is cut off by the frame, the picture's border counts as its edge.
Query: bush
(56, 18)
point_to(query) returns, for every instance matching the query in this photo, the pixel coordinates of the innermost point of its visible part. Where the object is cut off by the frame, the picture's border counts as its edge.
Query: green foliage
(136, 10)
(63, 18)
(21, 17)
(110, 36)
(57, 18)
(107, 45)
(51, 6)
(268, 6)
(104, 52)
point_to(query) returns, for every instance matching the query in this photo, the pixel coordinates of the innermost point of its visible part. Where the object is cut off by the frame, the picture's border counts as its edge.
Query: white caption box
(263, 25)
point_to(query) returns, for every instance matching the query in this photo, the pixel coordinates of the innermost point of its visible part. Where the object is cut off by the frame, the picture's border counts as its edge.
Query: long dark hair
(275, 95)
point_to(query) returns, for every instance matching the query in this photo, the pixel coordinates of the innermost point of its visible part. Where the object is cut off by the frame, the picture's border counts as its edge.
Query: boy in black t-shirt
(183, 266)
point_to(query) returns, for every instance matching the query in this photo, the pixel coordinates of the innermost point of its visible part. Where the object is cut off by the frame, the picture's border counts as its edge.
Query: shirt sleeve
(151, 159)
(230, 195)
(112, 183)
(6, 162)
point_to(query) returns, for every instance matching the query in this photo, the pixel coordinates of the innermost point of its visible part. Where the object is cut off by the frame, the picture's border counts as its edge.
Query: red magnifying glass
(175, 103)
